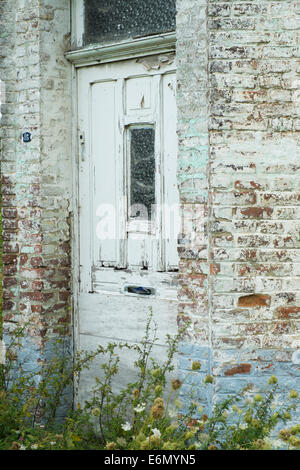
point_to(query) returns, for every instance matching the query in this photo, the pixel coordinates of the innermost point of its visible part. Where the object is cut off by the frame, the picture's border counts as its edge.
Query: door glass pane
(112, 20)
(142, 171)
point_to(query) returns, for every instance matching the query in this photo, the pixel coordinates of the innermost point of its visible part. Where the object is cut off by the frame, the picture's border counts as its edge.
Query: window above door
(100, 23)
(114, 20)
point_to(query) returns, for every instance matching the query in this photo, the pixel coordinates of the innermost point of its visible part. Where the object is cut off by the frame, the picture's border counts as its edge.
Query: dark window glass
(142, 172)
(114, 20)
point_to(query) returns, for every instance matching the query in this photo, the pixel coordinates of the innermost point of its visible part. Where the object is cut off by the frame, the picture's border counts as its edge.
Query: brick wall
(36, 176)
(238, 75)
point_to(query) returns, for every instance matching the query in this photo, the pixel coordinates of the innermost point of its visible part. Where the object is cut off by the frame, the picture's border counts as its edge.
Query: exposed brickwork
(240, 369)
(238, 74)
(254, 147)
(8, 162)
(254, 300)
(36, 176)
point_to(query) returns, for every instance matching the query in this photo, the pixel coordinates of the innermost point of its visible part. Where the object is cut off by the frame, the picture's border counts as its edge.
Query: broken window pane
(113, 20)
(142, 172)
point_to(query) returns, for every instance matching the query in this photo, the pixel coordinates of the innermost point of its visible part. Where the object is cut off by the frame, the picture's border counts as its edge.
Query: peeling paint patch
(157, 62)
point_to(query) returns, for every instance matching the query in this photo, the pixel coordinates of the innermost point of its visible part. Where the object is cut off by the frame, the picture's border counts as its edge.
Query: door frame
(84, 57)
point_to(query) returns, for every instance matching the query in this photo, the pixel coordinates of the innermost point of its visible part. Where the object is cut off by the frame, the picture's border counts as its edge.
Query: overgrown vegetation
(147, 414)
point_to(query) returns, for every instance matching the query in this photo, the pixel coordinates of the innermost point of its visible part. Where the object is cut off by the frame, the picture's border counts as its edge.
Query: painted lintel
(128, 49)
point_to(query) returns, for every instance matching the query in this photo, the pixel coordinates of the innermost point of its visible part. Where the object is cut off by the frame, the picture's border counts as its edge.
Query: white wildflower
(34, 446)
(22, 447)
(126, 427)
(248, 398)
(156, 432)
(172, 413)
(243, 426)
(140, 408)
(52, 443)
(277, 444)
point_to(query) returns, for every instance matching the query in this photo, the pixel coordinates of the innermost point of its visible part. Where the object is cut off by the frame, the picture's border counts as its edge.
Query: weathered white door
(128, 203)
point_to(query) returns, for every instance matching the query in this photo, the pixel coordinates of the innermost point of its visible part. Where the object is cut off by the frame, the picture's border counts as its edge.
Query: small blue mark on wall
(26, 137)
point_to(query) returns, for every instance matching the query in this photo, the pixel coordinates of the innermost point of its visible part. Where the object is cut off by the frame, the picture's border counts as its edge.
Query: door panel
(128, 154)
(138, 94)
(104, 165)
